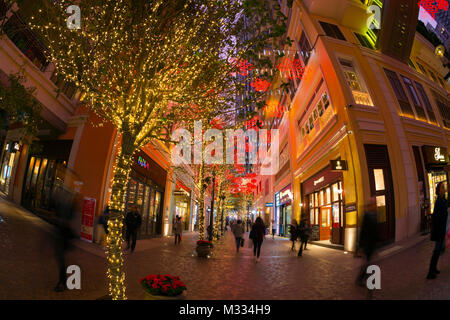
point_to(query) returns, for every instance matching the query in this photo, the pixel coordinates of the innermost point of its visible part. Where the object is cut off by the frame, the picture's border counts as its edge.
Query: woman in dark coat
(438, 228)
(257, 235)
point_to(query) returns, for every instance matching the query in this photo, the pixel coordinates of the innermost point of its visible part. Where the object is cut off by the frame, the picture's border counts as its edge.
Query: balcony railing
(26, 41)
(362, 98)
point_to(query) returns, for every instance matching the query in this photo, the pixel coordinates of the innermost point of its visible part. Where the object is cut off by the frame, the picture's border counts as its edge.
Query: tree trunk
(201, 215)
(116, 273)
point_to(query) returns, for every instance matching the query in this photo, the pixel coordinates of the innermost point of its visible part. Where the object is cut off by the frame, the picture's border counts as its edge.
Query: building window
(422, 69)
(426, 102)
(360, 94)
(399, 93)
(332, 30)
(305, 48)
(364, 41)
(414, 98)
(443, 105)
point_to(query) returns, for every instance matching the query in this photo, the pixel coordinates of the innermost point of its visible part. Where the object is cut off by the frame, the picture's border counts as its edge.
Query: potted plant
(163, 287)
(203, 248)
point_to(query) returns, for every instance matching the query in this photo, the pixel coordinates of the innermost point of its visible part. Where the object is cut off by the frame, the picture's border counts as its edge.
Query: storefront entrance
(326, 211)
(323, 205)
(283, 210)
(45, 169)
(146, 190)
(382, 190)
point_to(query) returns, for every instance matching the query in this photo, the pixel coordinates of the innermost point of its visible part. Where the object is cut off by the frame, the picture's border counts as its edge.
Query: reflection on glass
(381, 208)
(328, 196)
(379, 179)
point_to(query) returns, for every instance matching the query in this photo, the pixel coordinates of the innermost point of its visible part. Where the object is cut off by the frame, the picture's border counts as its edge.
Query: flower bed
(163, 285)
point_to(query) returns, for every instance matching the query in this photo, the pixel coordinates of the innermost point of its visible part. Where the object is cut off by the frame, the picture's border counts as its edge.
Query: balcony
(362, 98)
(26, 41)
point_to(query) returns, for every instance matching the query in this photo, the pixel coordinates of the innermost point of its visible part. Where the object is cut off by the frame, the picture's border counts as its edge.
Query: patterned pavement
(28, 269)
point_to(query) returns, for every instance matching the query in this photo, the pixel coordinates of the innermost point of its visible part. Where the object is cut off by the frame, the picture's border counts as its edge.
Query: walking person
(307, 233)
(64, 198)
(257, 235)
(177, 229)
(301, 231)
(103, 222)
(293, 229)
(273, 229)
(368, 238)
(438, 228)
(238, 231)
(133, 222)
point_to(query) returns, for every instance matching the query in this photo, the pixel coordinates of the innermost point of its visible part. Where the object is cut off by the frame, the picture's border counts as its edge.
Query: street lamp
(222, 197)
(210, 228)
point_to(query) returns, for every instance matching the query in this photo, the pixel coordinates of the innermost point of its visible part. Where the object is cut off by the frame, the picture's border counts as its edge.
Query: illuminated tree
(145, 65)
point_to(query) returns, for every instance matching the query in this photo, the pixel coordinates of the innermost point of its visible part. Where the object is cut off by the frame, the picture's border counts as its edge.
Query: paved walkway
(28, 269)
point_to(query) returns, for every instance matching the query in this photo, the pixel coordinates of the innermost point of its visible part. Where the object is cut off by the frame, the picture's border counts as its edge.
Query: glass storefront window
(434, 178)
(328, 196)
(321, 198)
(335, 192)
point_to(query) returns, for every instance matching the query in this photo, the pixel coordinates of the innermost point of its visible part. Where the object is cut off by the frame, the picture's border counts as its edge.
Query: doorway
(382, 189)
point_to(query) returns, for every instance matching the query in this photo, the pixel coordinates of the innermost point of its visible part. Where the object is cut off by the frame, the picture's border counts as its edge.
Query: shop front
(283, 210)
(8, 159)
(182, 199)
(146, 190)
(323, 205)
(46, 167)
(435, 160)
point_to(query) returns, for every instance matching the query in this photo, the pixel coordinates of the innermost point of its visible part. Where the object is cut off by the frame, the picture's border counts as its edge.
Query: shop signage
(144, 164)
(148, 168)
(320, 180)
(338, 165)
(435, 155)
(286, 195)
(277, 199)
(269, 204)
(350, 207)
(87, 219)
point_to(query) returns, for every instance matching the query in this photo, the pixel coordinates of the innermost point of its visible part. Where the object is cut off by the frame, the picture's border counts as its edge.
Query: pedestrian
(368, 238)
(133, 222)
(303, 235)
(438, 228)
(103, 222)
(257, 235)
(293, 229)
(177, 229)
(64, 198)
(308, 232)
(273, 229)
(238, 231)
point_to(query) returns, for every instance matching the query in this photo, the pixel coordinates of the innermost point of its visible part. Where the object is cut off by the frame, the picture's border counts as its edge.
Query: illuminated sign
(339, 165)
(320, 180)
(141, 161)
(438, 156)
(435, 156)
(269, 204)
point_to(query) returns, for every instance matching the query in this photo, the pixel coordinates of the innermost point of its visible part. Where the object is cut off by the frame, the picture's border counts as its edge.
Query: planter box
(181, 296)
(203, 251)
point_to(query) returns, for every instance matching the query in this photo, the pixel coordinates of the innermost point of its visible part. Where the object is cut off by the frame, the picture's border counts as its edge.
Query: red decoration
(260, 85)
(243, 66)
(291, 68)
(432, 6)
